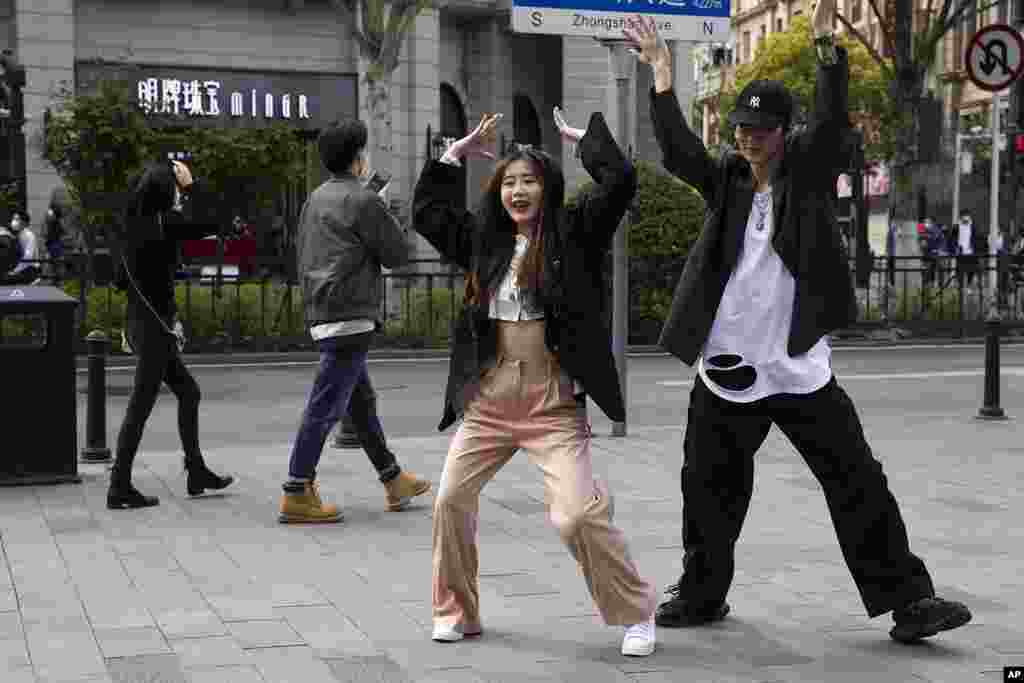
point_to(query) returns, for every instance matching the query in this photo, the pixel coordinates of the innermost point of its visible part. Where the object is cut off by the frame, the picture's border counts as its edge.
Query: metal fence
(942, 296)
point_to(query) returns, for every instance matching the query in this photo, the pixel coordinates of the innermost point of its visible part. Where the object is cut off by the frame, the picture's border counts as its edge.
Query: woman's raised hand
(480, 142)
(565, 130)
(643, 40)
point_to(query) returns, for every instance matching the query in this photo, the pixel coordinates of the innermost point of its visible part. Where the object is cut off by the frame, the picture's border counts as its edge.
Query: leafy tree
(789, 56)
(379, 28)
(97, 141)
(911, 38)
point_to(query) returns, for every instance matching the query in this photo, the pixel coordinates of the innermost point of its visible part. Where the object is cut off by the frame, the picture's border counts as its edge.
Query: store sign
(230, 98)
(204, 98)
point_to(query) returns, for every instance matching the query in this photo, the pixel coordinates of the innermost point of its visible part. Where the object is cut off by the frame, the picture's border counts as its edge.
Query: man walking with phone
(345, 235)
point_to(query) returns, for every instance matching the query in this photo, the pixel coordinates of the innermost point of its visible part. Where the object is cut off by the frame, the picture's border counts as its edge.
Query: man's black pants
(718, 479)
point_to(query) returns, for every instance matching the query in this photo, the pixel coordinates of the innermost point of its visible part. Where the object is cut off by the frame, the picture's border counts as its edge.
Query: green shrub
(666, 220)
(425, 315)
(241, 311)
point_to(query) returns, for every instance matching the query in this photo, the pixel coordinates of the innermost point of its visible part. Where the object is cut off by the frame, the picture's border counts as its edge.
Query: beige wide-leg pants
(527, 402)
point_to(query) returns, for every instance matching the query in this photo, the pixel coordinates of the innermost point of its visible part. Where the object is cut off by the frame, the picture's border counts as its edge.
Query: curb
(198, 359)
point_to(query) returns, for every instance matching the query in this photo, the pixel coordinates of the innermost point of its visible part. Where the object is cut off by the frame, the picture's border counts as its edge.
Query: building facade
(247, 62)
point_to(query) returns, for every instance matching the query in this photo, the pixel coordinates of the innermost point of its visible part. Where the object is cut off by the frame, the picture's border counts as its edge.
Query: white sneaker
(451, 633)
(639, 640)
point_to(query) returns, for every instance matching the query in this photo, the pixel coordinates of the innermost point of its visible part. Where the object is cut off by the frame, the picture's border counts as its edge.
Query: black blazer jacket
(806, 237)
(575, 329)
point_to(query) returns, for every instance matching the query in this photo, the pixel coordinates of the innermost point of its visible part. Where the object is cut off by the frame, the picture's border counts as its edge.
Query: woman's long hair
(151, 191)
(495, 242)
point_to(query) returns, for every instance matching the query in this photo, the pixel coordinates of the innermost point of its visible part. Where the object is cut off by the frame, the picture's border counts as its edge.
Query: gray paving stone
(147, 669)
(290, 665)
(63, 654)
(368, 669)
(513, 585)
(326, 630)
(131, 642)
(8, 599)
(293, 595)
(241, 607)
(263, 634)
(230, 674)
(22, 675)
(13, 654)
(207, 653)
(190, 623)
(10, 626)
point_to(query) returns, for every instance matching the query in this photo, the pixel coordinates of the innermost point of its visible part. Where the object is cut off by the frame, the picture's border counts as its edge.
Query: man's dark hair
(340, 144)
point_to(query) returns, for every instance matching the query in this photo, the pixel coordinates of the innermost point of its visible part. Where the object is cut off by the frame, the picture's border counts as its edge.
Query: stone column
(44, 32)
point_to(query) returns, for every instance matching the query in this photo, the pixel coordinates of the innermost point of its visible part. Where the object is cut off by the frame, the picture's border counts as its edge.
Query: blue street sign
(693, 20)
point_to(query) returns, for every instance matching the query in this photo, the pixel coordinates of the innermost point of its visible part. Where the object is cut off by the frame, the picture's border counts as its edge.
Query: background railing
(941, 296)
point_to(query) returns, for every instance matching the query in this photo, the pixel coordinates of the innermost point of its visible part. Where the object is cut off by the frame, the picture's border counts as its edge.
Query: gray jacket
(345, 235)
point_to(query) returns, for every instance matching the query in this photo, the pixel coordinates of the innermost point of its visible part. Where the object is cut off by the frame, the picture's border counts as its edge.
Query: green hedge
(247, 310)
(255, 311)
(666, 220)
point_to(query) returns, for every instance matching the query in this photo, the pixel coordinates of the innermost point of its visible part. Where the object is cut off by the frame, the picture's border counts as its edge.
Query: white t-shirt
(29, 250)
(745, 357)
(963, 238)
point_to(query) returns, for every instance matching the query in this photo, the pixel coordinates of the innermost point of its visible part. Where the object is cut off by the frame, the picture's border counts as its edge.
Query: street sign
(995, 57)
(689, 20)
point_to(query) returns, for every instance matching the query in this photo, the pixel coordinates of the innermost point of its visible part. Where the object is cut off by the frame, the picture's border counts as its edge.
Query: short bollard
(96, 405)
(990, 409)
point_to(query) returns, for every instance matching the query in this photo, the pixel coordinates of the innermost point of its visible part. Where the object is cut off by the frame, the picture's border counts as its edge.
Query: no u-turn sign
(995, 57)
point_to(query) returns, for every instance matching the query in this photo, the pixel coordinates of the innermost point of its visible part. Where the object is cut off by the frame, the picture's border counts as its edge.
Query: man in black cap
(763, 286)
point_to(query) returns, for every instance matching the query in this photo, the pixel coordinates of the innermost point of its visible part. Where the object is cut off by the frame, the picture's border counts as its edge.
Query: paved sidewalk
(214, 589)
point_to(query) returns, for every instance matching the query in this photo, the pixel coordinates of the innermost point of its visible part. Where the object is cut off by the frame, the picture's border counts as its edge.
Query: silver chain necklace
(761, 200)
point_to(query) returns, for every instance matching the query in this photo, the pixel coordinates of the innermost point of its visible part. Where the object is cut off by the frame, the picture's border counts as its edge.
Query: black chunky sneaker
(679, 611)
(925, 617)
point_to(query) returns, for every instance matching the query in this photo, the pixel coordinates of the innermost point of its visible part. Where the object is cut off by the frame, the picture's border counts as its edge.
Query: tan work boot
(306, 507)
(404, 488)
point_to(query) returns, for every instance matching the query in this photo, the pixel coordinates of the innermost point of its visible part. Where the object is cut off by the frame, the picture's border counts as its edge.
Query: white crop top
(510, 302)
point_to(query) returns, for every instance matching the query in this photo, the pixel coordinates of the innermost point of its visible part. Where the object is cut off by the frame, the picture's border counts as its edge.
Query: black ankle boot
(201, 478)
(126, 496)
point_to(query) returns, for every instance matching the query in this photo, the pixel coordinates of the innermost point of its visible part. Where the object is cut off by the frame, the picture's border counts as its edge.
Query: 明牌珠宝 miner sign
(229, 98)
(690, 20)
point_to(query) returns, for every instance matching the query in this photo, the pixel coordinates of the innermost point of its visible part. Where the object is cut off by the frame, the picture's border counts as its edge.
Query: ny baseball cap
(763, 104)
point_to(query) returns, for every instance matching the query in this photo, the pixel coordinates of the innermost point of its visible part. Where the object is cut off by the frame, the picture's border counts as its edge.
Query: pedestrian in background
(26, 270)
(529, 345)
(165, 207)
(345, 235)
(966, 248)
(763, 286)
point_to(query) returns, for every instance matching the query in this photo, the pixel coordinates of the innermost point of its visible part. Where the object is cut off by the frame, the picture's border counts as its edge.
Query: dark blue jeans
(342, 383)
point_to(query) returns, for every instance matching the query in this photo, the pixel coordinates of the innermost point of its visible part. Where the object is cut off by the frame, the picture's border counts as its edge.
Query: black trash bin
(37, 399)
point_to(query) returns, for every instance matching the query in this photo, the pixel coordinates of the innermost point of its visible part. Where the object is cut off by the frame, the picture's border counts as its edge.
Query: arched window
(453, 125)
(525, 122)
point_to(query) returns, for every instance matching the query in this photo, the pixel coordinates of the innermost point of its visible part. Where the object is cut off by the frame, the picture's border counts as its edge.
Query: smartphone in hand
(378, 181)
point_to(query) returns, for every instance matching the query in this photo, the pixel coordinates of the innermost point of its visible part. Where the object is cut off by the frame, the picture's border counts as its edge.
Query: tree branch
(853, 30)
(886, 36)
(960, 12)
(347, 10)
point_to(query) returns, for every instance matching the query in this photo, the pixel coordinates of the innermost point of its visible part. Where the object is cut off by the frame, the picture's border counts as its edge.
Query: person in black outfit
(159, 216)
(763, 286)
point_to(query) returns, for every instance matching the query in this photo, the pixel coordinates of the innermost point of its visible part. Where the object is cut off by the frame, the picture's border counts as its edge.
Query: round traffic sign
(995, 57)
